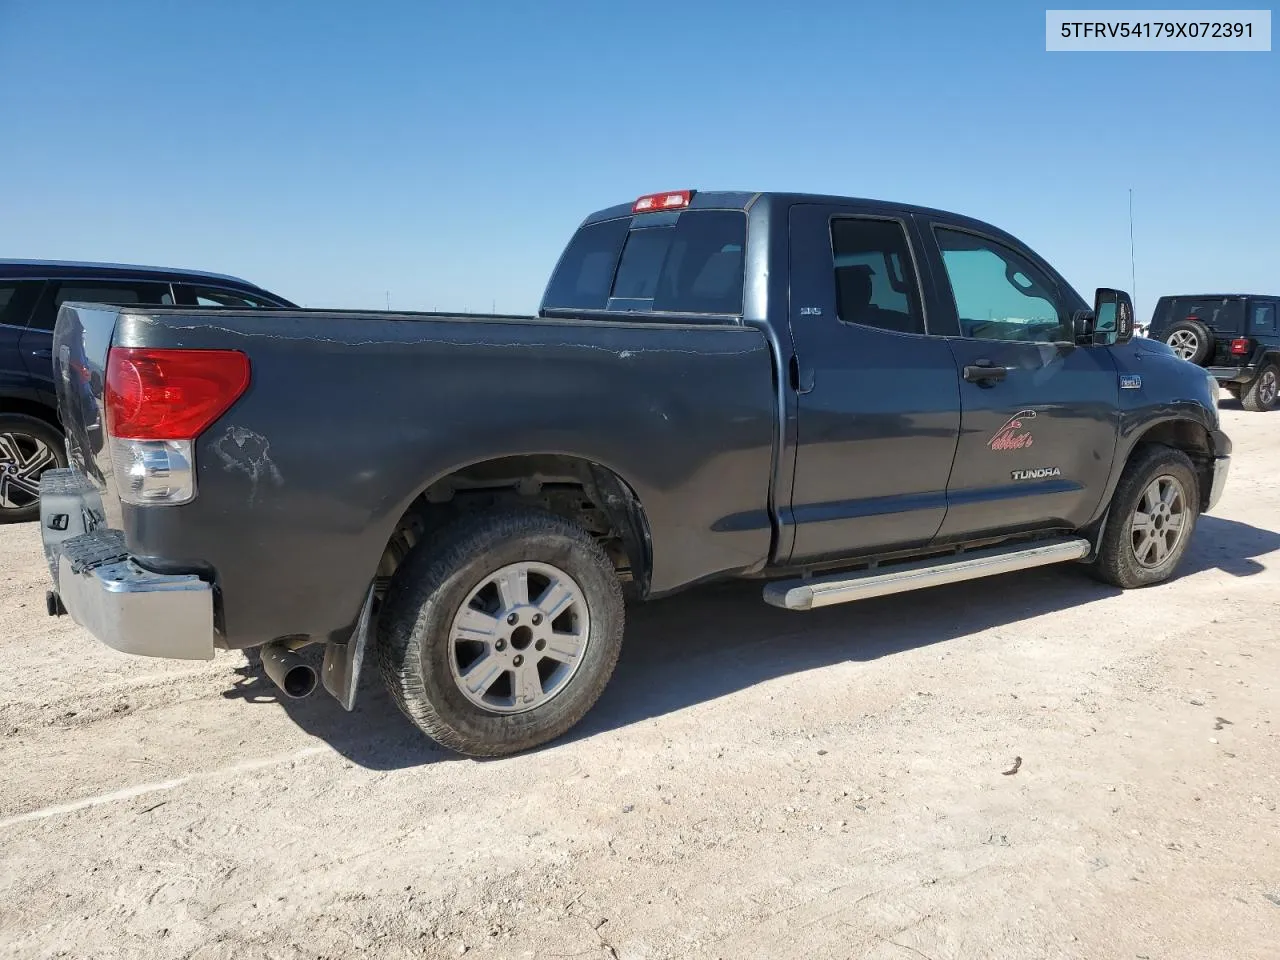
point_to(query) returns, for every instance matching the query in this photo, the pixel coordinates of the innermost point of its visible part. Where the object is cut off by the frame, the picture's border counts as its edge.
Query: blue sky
(444, 152)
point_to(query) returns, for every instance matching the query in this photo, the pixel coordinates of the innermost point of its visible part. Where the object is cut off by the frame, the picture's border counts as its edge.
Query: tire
(1260, 395)
(28, 447)
(1190, 340)
(425, 655)
(1126, 559)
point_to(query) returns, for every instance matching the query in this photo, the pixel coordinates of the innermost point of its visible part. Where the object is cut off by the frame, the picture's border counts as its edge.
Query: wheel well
(579, 490)
(31, 408)
(1193, 440)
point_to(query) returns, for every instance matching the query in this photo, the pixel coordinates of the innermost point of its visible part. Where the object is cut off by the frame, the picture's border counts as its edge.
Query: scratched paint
(241, 450)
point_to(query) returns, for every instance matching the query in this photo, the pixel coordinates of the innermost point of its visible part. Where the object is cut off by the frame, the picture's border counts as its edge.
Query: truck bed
(350, 416)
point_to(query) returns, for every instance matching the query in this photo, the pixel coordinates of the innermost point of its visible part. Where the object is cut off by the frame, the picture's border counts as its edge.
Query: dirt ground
(754, 784)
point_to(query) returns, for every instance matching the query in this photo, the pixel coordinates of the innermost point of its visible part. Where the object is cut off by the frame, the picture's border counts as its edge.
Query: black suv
(1235, 336)
(31, 291)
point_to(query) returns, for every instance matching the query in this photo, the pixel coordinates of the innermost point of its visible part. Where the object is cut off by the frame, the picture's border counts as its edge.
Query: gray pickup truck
(844, 398)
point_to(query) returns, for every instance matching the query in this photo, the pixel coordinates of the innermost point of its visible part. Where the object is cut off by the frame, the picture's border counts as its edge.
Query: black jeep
(1235, 336)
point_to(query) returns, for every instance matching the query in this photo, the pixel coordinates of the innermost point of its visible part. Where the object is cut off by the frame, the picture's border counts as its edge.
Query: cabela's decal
(1039, 473)
(1014, 435)
(1130, 381)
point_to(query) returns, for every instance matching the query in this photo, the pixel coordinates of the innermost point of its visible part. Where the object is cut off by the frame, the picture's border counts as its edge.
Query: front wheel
(1153, 515)
(1260, 396)
(504, 635)
(28, 447)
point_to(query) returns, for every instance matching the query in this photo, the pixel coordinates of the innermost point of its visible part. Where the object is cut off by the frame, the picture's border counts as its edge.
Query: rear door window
(16, 300)
(122, 292)
(689, 263)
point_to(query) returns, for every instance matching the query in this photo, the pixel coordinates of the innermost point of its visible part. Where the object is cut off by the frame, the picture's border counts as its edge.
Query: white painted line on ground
(128, 793)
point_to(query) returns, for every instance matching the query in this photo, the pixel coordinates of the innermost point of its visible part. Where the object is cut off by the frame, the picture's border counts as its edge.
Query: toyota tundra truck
(840, 398)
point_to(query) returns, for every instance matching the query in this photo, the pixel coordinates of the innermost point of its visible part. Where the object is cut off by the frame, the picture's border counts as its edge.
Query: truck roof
(1217, 296)
(745, 200)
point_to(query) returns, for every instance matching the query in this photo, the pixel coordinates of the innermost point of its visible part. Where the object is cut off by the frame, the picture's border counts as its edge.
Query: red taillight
(170, 394)
(671, 200)
(1239, 347)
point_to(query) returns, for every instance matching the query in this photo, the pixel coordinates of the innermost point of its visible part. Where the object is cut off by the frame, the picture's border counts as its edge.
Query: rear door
(1038, 413)
(17, 298)
(37, 341)
(878, 400)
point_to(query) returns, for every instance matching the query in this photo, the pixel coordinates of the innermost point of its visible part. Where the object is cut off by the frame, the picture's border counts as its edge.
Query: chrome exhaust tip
(294, 676)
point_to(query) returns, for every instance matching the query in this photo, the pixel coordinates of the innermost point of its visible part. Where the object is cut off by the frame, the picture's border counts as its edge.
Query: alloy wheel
(1159, 521)
(519, 637)
(23, 458)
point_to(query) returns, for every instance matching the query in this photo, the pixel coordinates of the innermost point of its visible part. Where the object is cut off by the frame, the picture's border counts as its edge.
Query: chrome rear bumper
(124, 606)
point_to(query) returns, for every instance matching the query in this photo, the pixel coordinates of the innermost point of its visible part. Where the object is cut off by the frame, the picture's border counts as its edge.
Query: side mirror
(1112, 316)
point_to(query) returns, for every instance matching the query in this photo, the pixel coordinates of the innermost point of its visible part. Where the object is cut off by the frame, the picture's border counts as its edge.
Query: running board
(810, 592)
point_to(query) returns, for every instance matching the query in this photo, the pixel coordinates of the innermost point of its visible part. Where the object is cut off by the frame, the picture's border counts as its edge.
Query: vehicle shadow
(716, 640)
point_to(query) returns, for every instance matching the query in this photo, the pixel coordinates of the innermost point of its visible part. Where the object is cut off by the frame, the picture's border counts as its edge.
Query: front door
(1038, 413)
(878, 402)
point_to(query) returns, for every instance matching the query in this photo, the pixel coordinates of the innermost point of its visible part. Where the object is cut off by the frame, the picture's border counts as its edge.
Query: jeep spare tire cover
(1191, 340)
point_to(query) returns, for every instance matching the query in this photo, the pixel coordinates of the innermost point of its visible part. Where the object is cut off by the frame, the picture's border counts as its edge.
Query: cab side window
(999, 294)
(875, 281)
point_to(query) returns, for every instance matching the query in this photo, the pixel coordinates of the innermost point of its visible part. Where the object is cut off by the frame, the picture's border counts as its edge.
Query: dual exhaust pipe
(294, 676)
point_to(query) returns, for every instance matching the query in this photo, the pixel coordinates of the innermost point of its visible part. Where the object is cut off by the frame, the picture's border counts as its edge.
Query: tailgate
(81, 341)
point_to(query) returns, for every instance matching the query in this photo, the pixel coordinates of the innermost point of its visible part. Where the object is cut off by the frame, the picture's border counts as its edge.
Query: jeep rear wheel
(1151, 520)
(503, 634)
(1260, 396)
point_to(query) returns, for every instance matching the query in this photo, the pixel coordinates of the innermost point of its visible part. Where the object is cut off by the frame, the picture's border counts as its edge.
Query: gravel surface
(754, 783)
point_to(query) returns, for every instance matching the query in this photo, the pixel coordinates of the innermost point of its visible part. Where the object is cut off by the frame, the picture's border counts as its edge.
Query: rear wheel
(1190, 340)
(1153, 515)
(1260, 395)
(28, 447)
(503, 634)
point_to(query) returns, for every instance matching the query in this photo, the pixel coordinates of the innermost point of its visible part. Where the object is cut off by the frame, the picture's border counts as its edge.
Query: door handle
(801, 376)
(42, 353)
(985, 373)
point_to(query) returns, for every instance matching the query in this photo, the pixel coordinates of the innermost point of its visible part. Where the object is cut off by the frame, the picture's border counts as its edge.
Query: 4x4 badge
(1130, 381)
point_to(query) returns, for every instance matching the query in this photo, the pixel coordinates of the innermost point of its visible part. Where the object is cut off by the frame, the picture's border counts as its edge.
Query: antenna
(388, 301)
(1133, 270)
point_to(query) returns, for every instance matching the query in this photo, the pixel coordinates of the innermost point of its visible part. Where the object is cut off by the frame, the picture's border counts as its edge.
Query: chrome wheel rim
(519, 637)
(1267, 388)
(1184, 343)
(1159, 522)
(23, 459)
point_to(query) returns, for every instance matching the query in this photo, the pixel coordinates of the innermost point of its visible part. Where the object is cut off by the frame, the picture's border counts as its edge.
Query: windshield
(689, 264)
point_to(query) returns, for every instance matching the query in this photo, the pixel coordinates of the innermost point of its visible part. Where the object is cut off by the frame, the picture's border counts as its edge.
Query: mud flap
(342, 661)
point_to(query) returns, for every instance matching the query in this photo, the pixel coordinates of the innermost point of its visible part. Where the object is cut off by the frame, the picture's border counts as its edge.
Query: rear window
(689, 263)
(1219, 314)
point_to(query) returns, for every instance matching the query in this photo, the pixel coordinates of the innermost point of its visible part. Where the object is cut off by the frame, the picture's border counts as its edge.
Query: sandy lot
(753, 784)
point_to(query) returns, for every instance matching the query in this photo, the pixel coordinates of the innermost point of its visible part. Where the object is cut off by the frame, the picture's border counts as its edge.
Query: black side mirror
(1112, 316)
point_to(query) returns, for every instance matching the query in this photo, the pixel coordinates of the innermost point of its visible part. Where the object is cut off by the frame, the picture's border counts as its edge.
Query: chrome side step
(807, 593)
